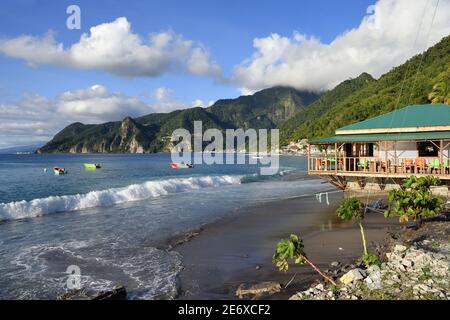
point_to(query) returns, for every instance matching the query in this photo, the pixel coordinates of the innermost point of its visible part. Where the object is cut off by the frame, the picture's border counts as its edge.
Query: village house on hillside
(299, 147)
(385, 149)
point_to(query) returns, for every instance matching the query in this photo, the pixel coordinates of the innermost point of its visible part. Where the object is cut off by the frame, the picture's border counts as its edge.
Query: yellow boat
(92, 166)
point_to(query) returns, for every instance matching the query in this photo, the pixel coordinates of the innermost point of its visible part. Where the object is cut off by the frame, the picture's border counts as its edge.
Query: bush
(415, 201)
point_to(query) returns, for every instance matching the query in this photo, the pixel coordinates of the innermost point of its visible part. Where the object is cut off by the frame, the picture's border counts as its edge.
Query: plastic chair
(421, 165)
(435, 164)
(363, 163)
(318, 164)
(408, 165)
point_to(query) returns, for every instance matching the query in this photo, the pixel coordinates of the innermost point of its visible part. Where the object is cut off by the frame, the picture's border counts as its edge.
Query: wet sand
(239, 249)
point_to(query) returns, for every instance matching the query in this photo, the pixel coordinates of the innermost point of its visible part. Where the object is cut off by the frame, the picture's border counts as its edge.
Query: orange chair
(408, 165)
(421, 165)
(384, 166)
(340, 164)
(318, 164)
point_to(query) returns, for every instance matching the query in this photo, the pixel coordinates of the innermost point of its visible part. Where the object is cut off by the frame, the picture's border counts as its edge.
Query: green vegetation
(414, 200)
(421, 74)
(353, 209)
(441, 90)
(293, 249)
(298, 114)
(294, 129)
(265, 109)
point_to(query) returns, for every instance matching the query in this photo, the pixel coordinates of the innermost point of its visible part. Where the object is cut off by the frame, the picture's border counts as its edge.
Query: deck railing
(329, 164)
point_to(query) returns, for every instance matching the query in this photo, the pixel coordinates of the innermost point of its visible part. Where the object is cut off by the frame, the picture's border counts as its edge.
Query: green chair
(363, 163)
(447, 165)
(435, 164)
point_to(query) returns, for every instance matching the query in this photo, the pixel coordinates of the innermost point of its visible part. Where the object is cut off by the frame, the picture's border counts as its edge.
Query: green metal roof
(423, 115)
(404, 136)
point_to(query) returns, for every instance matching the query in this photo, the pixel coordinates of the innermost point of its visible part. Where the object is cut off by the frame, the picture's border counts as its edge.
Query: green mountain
(151, 133)
(423, 78)
(293, 128)
(264, 109)
(298, 114)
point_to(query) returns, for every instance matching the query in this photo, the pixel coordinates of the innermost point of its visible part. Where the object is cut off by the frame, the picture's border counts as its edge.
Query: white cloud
(166, 102)
(98, 104)
(162, 93)
(114, 48)
(36, 118)
(198, 103)
(384, 39)
(32, 119)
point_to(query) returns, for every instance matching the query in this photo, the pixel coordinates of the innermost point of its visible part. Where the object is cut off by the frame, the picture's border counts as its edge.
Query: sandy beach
(239, 249)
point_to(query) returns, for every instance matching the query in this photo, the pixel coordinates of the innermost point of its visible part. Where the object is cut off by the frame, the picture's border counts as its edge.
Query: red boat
(175, 165)
(59, 171)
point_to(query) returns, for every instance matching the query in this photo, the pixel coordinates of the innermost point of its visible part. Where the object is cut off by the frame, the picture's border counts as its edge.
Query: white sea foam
(54, 204)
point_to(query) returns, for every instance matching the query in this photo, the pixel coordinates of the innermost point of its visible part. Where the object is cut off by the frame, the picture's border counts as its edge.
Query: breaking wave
(150, 189)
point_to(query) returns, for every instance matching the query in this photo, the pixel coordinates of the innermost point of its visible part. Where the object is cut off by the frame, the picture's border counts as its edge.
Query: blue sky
(218, 49)
(227, 28)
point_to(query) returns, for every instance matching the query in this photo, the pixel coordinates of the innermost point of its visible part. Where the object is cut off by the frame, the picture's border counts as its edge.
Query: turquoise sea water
(111, 222)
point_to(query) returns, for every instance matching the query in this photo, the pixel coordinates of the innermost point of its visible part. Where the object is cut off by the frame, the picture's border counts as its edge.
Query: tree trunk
(320, 272)
(363, 238)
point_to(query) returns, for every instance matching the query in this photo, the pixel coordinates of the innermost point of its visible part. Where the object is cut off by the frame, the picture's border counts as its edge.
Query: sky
(135, 57)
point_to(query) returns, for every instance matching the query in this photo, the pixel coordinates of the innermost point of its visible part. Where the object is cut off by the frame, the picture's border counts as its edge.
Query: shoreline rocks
(257, 290)
(415, 266)
(118, 293)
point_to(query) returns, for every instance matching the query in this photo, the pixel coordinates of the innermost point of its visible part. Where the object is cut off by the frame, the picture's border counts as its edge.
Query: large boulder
(118, 293)
(247, 290)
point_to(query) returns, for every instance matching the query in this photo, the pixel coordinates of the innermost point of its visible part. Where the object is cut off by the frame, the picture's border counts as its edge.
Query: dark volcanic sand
(226, 253)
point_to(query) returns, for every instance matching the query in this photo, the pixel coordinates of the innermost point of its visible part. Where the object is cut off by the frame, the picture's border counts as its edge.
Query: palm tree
(440, 92)
(293, 249)
(353, 209)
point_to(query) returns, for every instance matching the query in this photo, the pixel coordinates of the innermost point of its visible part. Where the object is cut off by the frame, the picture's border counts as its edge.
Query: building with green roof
(411, 140)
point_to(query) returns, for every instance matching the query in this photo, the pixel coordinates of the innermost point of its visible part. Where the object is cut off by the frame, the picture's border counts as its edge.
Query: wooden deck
(373, 174)
(338, 169)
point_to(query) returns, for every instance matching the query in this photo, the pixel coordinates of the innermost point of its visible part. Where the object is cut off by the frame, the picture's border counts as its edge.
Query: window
(359, 149)
(427, 149)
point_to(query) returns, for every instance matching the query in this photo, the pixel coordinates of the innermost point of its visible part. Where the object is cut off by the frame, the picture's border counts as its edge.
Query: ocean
(111, 223)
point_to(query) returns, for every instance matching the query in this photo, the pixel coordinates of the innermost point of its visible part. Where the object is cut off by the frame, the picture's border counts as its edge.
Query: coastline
(220, 256)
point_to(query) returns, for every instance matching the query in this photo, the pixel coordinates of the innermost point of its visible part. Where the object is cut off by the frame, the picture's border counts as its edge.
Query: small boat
(176, 165)
(92, 166)
(59, 171)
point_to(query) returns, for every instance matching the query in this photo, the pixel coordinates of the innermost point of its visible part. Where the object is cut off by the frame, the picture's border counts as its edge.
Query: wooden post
(309, 157)
(386, 157)
(441, 157)
(344, 160)
(336, 157)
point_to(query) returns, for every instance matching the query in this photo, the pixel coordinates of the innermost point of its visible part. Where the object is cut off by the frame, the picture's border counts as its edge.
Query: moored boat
(59, 171)
(92, 166)
(176, 165)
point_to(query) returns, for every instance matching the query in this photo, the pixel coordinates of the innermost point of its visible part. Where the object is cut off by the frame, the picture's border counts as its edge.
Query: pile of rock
(420, 271)
(117, 293)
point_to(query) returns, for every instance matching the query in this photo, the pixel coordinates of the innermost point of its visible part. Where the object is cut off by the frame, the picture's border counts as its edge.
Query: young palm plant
(293, 249)
(353, 209)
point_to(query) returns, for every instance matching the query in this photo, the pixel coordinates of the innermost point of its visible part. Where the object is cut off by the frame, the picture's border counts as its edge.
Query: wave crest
(150, 189)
